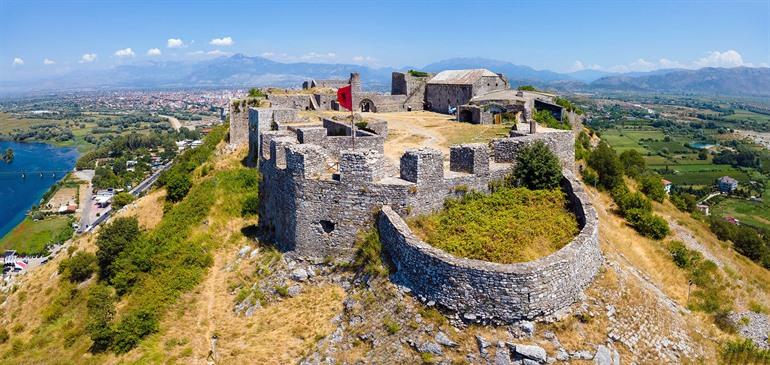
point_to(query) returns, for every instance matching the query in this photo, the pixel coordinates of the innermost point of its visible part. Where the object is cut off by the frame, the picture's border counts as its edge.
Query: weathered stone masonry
(318, 192)
(489, 291)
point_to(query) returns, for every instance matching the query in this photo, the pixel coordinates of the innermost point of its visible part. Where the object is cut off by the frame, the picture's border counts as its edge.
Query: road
(105, 213)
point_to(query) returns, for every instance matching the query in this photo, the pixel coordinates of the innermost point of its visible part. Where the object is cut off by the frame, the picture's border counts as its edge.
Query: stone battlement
(318, 193)
(329, 180)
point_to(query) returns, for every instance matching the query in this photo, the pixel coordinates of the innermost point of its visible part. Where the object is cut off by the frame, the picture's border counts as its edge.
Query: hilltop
(635, 310)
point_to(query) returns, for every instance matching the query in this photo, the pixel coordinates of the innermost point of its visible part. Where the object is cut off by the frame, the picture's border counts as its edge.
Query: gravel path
(689, 240)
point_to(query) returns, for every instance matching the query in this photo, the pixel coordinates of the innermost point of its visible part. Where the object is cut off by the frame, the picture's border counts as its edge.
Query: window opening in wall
(327, 226)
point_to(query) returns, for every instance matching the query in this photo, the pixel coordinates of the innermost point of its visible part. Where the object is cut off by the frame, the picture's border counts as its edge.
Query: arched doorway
(368, 106)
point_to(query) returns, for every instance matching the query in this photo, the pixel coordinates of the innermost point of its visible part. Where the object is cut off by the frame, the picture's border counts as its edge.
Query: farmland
(31, 237)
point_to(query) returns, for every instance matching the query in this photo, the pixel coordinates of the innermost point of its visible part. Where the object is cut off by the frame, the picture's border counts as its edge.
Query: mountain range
(244, 71)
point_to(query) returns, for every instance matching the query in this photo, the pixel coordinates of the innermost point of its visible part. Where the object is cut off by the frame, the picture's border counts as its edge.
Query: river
(18, 194)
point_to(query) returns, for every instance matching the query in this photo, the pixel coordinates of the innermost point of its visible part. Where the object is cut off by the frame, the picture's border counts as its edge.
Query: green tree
(633, 163)
(537, 167)
(79, 267)
(177, 186)
(526, 88)
(652, 186)
(122, 199)
(606, 163)
(113, 239)
(703, 154)
(101, 310)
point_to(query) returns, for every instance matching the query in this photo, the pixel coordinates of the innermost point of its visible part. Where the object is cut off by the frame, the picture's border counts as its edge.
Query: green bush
(648, 224)
(177, 186)
(101, 310)
(546, 118)
(112, 240)
(606, 163)
(122, 199)
(652, 186)
(250, 205)
(4, 336)
(537, 167)
(633, 163)
(134, 326)
(590, 177)
(682, 256)
(79, 267)
(744, 352)
(684, 202)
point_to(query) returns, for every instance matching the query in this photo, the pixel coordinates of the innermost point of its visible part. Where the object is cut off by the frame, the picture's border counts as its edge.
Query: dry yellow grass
(148, 210)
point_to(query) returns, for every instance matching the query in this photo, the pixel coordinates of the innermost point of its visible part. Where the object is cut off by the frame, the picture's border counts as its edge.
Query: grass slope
(509, 225)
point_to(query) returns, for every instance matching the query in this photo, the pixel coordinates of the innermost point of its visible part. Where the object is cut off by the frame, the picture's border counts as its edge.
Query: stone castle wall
(335, 190)
(487, 291)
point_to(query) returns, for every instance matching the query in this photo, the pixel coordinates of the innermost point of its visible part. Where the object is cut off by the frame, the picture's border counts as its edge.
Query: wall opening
(466, 116)
(327, 226)
(367, 106)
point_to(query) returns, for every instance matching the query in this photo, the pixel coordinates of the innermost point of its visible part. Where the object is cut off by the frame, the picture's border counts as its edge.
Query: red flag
(345, 97)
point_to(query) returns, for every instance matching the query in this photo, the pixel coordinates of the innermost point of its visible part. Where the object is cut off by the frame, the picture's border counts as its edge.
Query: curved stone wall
(487, 291)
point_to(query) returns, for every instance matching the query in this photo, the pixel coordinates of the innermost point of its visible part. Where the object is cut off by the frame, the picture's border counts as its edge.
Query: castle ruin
(320, 189)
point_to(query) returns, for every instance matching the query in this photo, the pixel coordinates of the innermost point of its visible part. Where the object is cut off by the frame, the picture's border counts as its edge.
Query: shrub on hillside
(79, 267)
(648, 224)
(537, 167)
(652, 186)
(122, 199)
(606, 163)
(368, 258)
(101, 310)
(632, 162)
(682, 256)
(112, 240)
(590, 177)
(684, 201)
(134, 326)
(177, 186)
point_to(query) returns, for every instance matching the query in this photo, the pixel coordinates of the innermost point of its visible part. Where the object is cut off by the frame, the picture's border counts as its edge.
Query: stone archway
(367, 105)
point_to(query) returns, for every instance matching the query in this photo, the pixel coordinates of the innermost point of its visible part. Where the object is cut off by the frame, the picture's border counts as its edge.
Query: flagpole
(352, 117)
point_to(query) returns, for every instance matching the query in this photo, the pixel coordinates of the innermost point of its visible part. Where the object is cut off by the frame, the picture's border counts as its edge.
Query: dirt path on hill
(175, 123)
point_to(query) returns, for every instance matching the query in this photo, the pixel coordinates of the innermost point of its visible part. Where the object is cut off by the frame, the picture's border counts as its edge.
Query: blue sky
(49, 37)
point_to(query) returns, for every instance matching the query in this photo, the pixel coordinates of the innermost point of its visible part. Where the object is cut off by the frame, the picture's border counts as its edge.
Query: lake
(18, 194)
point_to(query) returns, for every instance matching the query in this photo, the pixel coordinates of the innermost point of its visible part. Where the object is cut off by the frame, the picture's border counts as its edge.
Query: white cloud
(125, 52)
(195, 53)
(730, 58)
(225, 41)
(579, 66)
(48, 62)
(174, 43)
(17, 61)
(217, 53)
(267, 54)
(153, 52)
(313, 56)
(88, 57)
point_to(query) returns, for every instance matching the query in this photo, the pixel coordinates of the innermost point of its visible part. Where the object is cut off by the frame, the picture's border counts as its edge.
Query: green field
(740, 114)
(750, 212)
(31, 237)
